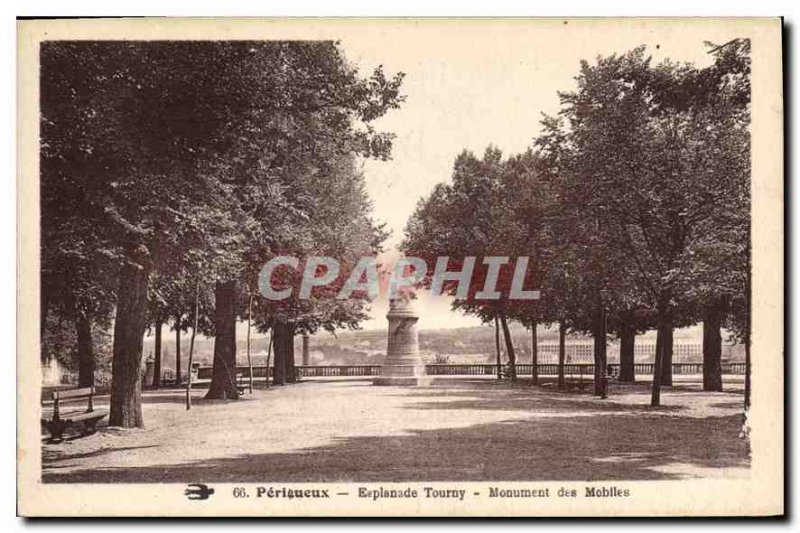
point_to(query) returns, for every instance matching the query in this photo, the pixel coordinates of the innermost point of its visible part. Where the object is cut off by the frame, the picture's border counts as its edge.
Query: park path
(456, 429)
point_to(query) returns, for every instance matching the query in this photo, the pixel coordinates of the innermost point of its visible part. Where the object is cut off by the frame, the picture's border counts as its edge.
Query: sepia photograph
(401, 267)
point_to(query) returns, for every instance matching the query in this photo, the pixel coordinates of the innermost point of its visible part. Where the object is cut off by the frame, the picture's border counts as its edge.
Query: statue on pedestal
(403, 364)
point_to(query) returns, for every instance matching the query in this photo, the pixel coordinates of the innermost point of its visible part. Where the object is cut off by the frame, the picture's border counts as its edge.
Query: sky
(469, 84)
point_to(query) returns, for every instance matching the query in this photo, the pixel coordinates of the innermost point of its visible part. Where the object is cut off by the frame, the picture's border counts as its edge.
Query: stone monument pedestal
(403, 364)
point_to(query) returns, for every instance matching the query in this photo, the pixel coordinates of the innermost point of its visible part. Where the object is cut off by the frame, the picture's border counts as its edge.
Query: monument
(403, 364)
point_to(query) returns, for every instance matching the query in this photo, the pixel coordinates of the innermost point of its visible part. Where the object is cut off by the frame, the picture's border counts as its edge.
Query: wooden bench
(57, 420)
(580, 385)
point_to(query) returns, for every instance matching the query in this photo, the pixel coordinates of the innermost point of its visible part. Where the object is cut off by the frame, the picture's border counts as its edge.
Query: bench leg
(89, 427)
(56, 429)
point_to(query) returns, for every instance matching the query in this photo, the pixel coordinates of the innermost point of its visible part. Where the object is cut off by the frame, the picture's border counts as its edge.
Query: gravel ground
(454, 429)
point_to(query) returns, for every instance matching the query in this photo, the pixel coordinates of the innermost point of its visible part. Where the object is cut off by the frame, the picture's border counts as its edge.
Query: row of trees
(171, 171)
(633, 204)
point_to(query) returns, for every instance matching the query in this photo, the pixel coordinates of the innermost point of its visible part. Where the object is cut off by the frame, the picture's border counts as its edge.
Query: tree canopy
(633, 202)
(174, 166)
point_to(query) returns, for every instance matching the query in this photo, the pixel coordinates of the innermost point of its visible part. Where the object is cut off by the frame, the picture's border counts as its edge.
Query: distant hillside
(467, 345)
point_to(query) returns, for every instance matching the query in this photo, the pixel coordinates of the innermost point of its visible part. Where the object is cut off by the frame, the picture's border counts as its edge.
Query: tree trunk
(599, 335)
(748, 295)
(189, 374)
(747, 367)
(279, 333)
(249, 361)
(659, 340)
(497, 347)
(665, 338)
(306, 355)
(157, 356)
(627, 349)
(655, 395)
(512, 357)
(712, 348)
(44, 307)
(223, 377)
(269, 354)
(129, 327)
(562, 352)
(86, 363)
(534, 355)
(178, 350)
(291, 375)
(598, 358)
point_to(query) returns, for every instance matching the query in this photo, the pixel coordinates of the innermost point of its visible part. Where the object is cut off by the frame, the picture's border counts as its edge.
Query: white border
(296, 8)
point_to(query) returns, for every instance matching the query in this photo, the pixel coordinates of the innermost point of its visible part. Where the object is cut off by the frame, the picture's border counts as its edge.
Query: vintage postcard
(400, 267)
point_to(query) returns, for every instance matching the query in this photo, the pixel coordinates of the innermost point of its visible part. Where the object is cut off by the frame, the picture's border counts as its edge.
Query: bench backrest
(73, 393)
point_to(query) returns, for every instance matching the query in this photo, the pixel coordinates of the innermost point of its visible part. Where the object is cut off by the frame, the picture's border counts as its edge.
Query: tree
(114, 134)
(712, 345)
(223, 381)
(472, 217)
(73, 286)
(158, 327)
(129, 326)
(720, 288)
(338, 225)
(651, 156)
(169, 143)
(588, 277)
(562, 333)
(280, 336)
(627, 323)
(324, 123)
(533, 208)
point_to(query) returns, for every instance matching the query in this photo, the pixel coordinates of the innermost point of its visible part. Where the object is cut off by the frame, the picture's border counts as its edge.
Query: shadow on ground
(568, 439)
(54, 457)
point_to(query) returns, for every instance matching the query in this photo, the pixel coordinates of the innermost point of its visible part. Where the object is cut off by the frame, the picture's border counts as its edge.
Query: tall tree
(158, 326)
(300, 197)
(280, 336)
(223, 381)
(479, 216)
(653, 156)
(626, 324)
(712, 345)
(160, 141)
(562, 333)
